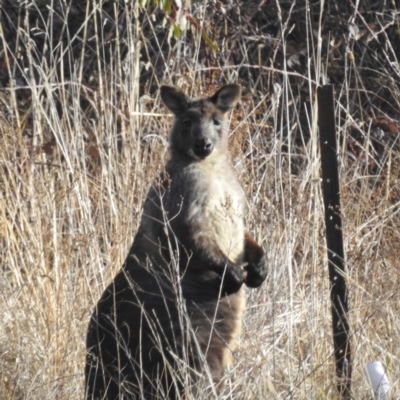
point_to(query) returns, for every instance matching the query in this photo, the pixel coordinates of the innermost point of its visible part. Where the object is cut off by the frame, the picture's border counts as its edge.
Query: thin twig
(269, 69)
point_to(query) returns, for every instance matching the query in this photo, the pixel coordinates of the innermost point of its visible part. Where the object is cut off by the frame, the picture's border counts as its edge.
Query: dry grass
(75, 164)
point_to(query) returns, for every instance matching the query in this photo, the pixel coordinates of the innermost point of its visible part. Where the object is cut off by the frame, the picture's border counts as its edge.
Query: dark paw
(256, 273)
(233, 279)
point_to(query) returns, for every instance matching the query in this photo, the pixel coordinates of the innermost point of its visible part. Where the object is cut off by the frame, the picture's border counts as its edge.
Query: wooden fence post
(334, 238)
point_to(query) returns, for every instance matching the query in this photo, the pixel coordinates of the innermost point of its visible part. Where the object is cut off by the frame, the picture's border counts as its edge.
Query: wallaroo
(173, 313)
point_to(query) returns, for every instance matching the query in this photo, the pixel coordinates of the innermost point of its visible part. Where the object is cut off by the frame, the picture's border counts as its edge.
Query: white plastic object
(378, 380)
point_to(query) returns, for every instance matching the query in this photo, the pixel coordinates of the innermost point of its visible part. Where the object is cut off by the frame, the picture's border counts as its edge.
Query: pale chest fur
(220, 200)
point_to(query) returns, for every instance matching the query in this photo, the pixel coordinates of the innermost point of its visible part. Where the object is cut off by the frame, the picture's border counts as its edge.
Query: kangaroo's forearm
(253, 252)
(256, 262)
(207, 254)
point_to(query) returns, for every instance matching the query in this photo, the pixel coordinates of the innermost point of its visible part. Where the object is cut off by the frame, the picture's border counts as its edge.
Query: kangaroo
(179, 298)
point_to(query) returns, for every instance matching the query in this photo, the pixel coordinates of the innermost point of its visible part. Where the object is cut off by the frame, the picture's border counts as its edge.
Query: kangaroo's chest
(225, 209)
(217, 204)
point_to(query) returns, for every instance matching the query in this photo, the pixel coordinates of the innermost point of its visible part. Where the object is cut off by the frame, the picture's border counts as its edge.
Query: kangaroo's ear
(227, 97)
(174, 99)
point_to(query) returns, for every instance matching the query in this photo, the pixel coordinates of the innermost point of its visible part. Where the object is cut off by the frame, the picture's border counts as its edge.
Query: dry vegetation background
(83, 132)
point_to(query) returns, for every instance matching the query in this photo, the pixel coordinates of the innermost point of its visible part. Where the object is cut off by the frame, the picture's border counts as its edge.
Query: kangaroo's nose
(203, 147)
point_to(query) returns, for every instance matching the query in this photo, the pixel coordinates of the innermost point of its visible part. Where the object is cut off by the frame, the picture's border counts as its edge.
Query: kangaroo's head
(201, 127)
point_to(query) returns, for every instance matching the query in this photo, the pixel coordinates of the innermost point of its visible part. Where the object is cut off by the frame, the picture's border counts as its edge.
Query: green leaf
(177, 30)
(208, 40)
(167, 7)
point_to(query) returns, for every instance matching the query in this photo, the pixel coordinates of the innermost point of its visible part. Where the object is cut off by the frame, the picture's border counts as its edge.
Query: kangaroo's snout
(203, 147)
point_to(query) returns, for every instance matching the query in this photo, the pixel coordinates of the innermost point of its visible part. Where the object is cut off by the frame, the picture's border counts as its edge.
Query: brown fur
(179, 295)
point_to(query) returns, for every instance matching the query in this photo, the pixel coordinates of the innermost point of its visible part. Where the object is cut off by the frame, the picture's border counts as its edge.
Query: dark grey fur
(179, 295)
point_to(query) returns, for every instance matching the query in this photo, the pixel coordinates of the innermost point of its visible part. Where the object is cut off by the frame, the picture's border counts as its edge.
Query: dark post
(334, 238)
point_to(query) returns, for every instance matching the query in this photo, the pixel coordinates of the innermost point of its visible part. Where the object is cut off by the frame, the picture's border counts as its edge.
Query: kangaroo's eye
(187, 123)
(217, 122)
